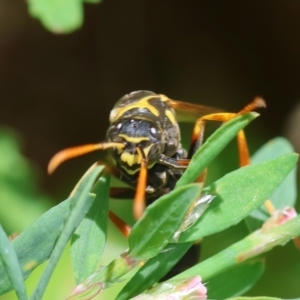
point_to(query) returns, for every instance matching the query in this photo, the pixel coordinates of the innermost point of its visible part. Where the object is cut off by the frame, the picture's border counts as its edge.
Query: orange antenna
(72, 152)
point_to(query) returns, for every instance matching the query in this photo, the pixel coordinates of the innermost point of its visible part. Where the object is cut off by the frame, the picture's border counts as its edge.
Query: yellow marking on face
(143, 103)
(133, 139)
(131, 172)
(131, 159)
(171, 117)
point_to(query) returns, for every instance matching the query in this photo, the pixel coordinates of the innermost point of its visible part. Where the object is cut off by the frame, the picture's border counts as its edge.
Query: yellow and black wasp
(144, 141)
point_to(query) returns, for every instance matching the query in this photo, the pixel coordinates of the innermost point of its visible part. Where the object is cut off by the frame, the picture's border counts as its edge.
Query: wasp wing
(190, 112)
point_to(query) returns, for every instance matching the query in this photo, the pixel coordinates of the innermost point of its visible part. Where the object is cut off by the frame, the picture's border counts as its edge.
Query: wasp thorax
(136, 133)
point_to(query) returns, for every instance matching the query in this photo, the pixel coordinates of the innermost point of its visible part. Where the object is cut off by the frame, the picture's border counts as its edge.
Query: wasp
(144, 141)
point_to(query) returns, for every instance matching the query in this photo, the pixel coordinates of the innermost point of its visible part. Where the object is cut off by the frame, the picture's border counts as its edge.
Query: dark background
(57, 90)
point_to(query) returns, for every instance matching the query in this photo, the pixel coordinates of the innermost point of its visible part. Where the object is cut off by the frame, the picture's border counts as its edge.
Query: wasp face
(135, 133)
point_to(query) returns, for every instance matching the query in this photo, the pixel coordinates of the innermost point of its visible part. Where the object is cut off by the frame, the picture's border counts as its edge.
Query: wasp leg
(139, 202)
(180, 165)
(173, 163)
(121, 193)
(120, 224)
(244, 157)
(198, 132)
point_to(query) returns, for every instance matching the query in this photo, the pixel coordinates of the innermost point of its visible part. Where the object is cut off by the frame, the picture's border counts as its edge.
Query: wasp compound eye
(154, 132)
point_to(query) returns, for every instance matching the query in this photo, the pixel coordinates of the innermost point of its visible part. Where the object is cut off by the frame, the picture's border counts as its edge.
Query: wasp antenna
(69, 153)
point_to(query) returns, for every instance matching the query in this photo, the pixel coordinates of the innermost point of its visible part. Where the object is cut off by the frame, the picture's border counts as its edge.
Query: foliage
(158, 240)
(59, 16)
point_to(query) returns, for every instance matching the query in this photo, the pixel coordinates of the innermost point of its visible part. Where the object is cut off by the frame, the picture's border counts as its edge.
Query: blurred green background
(57, 91)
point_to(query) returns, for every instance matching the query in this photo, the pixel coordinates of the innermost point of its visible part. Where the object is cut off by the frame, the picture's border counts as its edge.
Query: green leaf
(160, 221)
(258, 298)
(92, 1)
(255, 244)
(153, 270)
(238, 193)
(236, 281)
(213, 146)
(56, 15)
(88, 241)
(43, 232)
(79, 198)
(11, 265)
(188, 288)
(286, 192)
(21, 200)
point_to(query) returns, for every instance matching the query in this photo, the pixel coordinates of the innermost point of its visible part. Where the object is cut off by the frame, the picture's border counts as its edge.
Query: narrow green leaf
(11, 265)
(88, 241)
(104, 277)
(160, 221)
(286, 193)
(236, 281)
(238, 193)
(92, 1)
(56, 15)
(258, 242)
(188, 288)
(258, 298)
(153, 270)
(213, 146)
(43, 232)
(21, 200)
(77, 203)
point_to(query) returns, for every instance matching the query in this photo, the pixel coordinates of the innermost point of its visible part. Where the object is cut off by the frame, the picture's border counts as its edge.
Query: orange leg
(120, 224)
(173, 163)
(198, 132)
(245, 161)
(139, 202)
(244, 157)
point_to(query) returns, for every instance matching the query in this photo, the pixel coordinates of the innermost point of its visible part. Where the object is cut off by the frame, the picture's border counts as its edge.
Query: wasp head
(135, 133)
